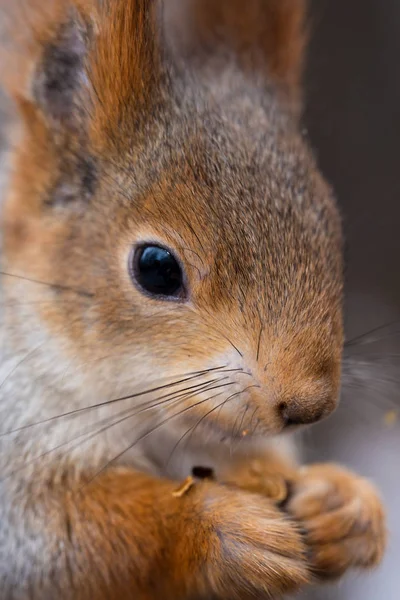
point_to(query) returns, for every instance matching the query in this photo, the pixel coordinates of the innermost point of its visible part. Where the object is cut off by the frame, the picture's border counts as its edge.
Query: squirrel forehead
(235, 142)
(239, 169)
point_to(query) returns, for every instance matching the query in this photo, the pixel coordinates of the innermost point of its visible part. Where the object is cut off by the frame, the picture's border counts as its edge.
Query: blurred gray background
(353, 120)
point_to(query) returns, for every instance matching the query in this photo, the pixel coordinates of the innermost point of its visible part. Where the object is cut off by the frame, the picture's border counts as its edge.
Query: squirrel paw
(343, 519)
(254, 550)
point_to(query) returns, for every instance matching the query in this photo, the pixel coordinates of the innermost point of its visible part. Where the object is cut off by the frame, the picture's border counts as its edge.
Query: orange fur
(127, 37)
(139, 541)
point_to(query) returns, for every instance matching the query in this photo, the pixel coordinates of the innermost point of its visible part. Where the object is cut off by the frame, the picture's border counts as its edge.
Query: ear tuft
(125, 66)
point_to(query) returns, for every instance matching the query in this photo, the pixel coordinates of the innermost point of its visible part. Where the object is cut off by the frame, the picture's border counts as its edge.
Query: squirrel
(171, 307)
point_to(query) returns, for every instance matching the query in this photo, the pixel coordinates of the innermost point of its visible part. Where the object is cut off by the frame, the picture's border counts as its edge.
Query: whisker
(359, 340)
(220, 333)
(190, 429)
(22, 361)
(220, 406)
(229, 397)
(56, 286)
(128, 414)
(155, 428)
(196, 268)
(58, 447)
(185, 249)
(364, 371)
(113, 401)
(239, 437)
(233, 434)
(66, 443)
(233, 346)
(39, 302)
(229, 341)
(258, 421)
(212, 410)
(370, 381)
(188, 393)
(259, 342)
(183, 394)
(371, 358)
(383, 402)
(246, 408)
(189, 225)
(252, 417)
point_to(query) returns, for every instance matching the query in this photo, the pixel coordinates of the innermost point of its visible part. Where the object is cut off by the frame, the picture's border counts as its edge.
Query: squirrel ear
(267, 36)
(43, 55)
(75, 59)
(74, 68)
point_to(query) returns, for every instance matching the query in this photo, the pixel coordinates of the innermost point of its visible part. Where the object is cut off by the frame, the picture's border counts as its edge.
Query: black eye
(157, 271)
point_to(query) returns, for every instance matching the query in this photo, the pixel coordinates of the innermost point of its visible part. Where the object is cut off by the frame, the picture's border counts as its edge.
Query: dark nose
(298, 412)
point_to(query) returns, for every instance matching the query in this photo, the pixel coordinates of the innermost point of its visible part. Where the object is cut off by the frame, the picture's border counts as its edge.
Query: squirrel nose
(298, 412)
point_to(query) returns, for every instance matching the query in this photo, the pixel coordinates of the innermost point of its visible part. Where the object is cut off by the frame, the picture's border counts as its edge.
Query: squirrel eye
(156, 271)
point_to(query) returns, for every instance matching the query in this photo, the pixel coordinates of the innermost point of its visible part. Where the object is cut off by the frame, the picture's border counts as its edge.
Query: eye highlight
(156, 271)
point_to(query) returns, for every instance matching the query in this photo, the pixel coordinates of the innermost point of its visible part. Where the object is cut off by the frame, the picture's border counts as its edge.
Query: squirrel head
(164, 211)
